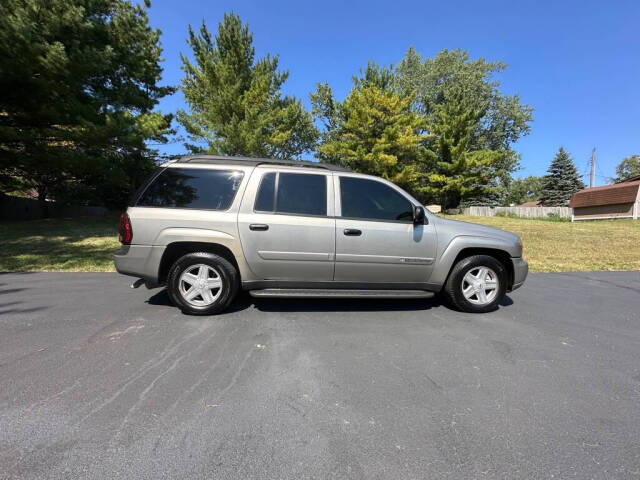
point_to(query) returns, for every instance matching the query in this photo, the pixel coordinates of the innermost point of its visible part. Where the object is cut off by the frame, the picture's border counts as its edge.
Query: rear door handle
(261, 227)
(352, 232)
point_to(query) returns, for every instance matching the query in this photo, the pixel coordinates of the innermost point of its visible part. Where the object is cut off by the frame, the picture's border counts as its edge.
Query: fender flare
(172, 235)
(459, 243)
(182, 234)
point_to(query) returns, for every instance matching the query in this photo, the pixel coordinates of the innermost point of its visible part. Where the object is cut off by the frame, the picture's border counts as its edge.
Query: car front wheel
(202, 283)
(476, 284)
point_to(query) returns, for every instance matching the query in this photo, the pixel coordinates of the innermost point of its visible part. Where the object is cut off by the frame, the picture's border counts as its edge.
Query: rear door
(376, 240)
(287, 225)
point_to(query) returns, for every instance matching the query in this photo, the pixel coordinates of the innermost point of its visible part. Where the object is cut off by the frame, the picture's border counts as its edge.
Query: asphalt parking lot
(101, 381)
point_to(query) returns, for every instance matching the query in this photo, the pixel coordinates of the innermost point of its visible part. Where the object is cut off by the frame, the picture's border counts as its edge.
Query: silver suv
(207, 226)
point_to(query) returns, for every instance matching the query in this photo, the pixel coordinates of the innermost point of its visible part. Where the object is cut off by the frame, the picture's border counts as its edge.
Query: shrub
(507, 214)
(554, 217)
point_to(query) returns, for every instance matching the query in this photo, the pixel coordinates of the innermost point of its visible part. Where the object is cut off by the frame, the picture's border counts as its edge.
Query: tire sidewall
(462, 268)
(223, 267)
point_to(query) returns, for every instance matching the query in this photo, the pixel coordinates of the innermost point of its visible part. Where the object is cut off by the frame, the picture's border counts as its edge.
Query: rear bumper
(520, 271)
(140, 261)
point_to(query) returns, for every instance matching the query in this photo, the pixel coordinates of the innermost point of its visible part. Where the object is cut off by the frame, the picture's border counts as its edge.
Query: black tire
(452, 290)
(223, 268)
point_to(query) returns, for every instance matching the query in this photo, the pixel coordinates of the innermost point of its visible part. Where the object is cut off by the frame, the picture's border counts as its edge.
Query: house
(619, 200)
(531, 203)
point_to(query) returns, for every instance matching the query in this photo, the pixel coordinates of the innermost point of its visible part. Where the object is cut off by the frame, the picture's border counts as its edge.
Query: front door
(287, 227)
(376, 240)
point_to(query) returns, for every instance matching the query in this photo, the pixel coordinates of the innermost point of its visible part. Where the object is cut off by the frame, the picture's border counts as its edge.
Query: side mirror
(418, 215)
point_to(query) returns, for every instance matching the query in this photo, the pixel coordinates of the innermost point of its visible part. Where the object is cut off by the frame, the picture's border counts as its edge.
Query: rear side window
(302, 194)
(143, 187)
(296, 194)
(203, 189)
(372, 200)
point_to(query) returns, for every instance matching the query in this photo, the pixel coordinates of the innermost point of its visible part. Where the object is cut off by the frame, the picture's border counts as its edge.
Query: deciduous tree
(474, 123)
(521, 190)
(462, 127)
(629, 167)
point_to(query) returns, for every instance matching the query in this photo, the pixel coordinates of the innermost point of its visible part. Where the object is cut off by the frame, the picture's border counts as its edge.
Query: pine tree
(459, 173)
(461, 99)
(458, 146)
(373, 131)
(236, 104)
(78, 87)
(562, 181)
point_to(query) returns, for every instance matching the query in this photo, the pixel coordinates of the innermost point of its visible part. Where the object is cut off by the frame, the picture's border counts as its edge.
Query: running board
(338, 293)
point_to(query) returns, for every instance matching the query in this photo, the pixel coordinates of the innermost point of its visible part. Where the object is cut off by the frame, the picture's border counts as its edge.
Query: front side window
(372, 200)
(204, 189)
(297, 194)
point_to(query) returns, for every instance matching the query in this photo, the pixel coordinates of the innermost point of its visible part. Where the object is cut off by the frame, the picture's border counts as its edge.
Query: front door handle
(260, 227)
(352, 232)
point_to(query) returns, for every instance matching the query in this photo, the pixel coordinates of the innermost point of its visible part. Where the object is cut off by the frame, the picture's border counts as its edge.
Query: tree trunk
(451, 200)
(42, 202)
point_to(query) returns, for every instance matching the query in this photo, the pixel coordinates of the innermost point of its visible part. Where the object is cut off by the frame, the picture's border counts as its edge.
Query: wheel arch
(503, 257)
(175, 250)
(462, 247)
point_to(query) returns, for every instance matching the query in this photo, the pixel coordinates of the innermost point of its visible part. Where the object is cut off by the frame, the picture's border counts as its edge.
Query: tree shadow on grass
(55, 244)
(54, 254)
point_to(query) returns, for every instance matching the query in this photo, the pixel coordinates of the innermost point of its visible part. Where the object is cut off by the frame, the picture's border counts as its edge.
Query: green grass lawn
(54, 245)
(566, 247)
(86, 244)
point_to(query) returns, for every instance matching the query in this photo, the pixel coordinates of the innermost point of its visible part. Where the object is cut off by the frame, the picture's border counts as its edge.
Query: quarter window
(265, 201)
(204, 189)
(372, 200)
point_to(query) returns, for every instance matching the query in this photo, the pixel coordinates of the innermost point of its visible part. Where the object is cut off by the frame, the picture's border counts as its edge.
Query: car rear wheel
(476, 284)
(202, 283)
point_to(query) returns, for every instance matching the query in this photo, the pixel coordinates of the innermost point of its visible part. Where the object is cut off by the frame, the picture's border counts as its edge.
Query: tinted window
(302, 194)
(266, 198)
(143, 187)
(369, 199)
(192, 188)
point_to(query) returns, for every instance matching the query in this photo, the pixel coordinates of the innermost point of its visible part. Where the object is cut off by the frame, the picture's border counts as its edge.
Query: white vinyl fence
(527, 212)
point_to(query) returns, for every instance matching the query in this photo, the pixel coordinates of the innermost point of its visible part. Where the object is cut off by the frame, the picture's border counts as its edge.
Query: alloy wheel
(480, 285)
(200, 285)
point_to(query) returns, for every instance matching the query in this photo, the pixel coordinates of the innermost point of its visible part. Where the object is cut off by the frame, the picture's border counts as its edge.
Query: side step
(338, 293)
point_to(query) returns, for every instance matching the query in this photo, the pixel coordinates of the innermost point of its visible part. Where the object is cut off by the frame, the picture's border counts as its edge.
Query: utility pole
(593, 167)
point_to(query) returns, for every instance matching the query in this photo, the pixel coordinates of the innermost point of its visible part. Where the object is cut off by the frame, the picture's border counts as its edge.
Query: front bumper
(520, 271)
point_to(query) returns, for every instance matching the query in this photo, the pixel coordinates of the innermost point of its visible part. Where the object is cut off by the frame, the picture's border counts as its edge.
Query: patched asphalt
(101, 381)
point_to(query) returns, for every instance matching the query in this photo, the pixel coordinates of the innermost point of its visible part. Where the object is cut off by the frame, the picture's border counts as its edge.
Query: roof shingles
(606, 195)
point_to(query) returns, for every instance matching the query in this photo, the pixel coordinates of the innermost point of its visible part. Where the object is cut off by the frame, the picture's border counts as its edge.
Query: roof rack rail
(211, 159)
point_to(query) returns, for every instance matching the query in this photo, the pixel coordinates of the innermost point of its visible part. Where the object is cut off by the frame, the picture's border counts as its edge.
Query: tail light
(125, 232)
